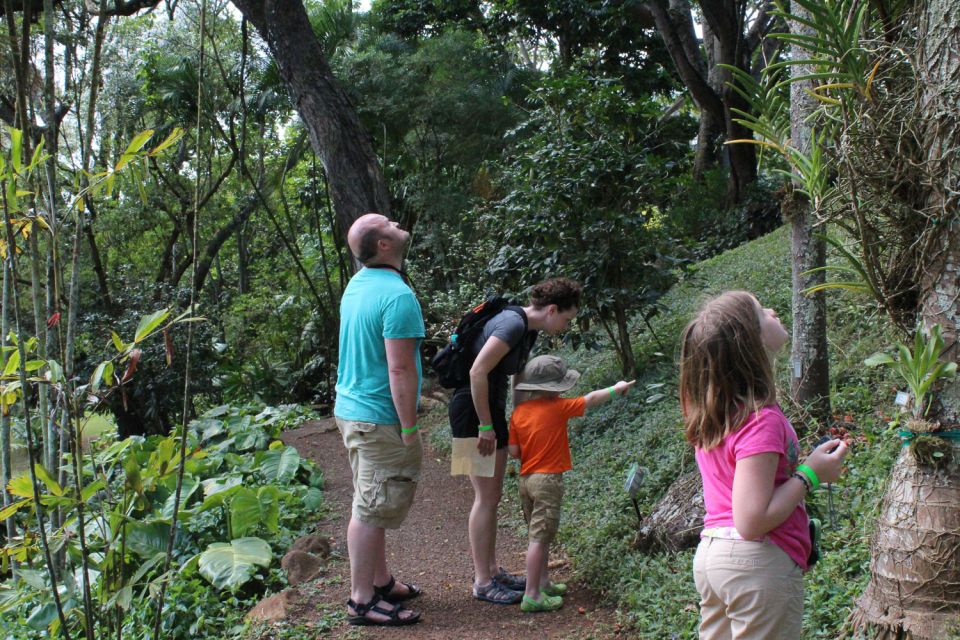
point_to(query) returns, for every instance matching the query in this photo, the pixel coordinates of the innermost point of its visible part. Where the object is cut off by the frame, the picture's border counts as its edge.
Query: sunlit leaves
(148, 324)
(229, 566)
(134, 159)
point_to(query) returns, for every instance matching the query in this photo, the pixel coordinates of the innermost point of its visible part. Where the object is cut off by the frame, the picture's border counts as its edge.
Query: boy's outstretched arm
(598, 397)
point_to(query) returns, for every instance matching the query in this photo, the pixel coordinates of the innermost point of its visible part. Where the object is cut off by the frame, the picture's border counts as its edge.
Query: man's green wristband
(613, 392)
(412, 429)
(811, 475)
(485, 427)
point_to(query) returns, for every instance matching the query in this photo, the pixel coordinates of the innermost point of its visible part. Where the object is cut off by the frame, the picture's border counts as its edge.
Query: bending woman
(479, 410)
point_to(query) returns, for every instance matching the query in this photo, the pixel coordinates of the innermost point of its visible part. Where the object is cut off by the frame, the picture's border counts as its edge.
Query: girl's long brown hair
(725, 371)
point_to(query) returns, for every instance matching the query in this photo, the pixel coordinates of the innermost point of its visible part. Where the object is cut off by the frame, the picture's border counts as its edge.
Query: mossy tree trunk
(914, 589)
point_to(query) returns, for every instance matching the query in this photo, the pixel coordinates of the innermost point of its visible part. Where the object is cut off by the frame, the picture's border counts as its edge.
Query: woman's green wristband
(613, 392)
(485, 427)
(412, 429)
(811, 475)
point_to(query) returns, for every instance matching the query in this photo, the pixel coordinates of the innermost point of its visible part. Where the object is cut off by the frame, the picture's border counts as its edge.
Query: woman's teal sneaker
(554, 589)
(545, 603)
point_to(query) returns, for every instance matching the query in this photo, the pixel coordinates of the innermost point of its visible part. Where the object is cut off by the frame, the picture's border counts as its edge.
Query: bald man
(378, 389)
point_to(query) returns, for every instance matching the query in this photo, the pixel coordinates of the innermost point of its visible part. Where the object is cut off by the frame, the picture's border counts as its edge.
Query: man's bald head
(365, 236)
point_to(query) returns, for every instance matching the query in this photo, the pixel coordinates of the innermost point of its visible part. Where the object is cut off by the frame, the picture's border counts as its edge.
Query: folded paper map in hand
(467, 461)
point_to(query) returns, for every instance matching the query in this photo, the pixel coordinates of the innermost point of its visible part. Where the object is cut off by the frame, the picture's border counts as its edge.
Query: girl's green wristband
(613, 392)
(811, 475)
(412, 429)
(485, 427)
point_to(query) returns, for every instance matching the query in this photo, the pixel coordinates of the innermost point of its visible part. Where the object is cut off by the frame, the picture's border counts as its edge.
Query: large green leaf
(190, 484)
(104, 371)
(147, 539)
(217, 499)
(208, 428)
(44, 476)
(149, 323)
(231, 565)
(244, 512)
(269, 497)
(252, 438)
(42, 615)
(12, 363)
(279, 465)
(249, 510)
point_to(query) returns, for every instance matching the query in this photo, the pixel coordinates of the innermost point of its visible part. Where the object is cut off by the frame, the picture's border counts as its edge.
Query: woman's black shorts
(463, 416)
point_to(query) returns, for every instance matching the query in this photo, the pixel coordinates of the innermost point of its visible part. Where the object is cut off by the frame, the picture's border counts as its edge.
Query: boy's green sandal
(554, 589)
(545, 603)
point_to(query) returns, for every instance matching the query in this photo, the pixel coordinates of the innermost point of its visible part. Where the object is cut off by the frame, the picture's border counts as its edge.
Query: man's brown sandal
(393, 618)
(385, 591)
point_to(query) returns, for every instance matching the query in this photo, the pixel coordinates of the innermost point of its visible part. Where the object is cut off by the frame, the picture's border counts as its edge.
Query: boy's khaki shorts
(385, 471)
(541, 495)
(748, 591)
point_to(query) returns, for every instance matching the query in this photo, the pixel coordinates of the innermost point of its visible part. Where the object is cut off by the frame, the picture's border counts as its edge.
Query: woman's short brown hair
(563, 292)
(725, 370)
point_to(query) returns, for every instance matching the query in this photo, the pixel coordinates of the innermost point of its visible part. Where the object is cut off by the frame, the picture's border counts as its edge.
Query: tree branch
(676, 29)
(121, 8)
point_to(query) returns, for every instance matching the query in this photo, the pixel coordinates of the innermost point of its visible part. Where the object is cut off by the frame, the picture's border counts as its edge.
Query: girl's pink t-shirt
(766, 431)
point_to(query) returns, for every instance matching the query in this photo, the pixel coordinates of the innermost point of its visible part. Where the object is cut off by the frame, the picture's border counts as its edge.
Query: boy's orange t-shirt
(539, 428)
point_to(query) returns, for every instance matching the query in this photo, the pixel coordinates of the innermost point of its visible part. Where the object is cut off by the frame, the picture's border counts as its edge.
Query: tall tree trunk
(725, 43)
(707, 154)
(243, 259)
(51, 135)
(696, 67)
(5, 443)
(629, 361)
(48, 435)
(810, 367)
(97, 261)
(914, 589)
(356, 180)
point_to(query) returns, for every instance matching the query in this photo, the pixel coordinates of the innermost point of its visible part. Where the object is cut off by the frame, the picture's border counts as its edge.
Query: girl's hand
(487, 442)
(827, 460)
(622, 387)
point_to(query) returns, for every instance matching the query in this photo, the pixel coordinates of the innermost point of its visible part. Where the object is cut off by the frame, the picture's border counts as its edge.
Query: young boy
(538, 436)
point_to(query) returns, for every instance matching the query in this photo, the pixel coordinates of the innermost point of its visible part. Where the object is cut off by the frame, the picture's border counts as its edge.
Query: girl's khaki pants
(748, 591)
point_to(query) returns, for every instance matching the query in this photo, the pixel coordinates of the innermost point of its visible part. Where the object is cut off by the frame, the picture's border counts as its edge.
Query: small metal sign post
(632, 487)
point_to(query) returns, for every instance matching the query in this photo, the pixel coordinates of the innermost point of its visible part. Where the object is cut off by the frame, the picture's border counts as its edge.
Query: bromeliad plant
(920, 367)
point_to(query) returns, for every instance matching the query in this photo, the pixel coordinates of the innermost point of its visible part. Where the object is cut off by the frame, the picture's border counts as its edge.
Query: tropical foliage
(242, 496)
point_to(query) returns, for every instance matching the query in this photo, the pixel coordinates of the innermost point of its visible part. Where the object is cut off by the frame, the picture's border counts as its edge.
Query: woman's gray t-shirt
(509, 326)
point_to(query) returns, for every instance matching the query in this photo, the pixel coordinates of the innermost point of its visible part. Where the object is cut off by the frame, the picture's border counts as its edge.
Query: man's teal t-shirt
(376, 304)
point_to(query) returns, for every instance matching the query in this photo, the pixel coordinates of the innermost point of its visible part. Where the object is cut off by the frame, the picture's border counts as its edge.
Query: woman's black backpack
(452, 363)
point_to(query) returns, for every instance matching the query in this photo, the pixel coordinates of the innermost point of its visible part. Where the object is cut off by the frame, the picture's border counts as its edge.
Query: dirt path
(431, 550)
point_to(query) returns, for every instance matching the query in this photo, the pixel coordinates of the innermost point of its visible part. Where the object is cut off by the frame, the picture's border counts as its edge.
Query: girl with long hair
(756, 542)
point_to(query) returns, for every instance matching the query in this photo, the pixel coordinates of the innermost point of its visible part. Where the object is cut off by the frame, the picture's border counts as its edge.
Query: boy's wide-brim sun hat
(547, 373)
